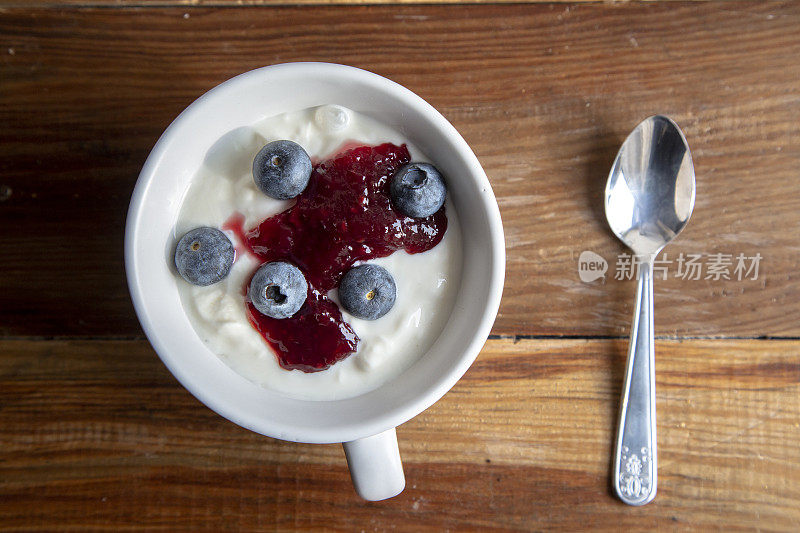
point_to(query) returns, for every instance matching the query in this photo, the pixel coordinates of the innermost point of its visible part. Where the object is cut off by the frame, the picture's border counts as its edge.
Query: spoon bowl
(649, 198)
(651, 187)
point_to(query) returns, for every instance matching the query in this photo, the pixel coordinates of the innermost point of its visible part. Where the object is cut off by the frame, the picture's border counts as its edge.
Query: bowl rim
(397, 414)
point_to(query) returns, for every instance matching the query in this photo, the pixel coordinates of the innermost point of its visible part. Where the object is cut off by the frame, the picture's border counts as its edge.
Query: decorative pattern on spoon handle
(635, 461)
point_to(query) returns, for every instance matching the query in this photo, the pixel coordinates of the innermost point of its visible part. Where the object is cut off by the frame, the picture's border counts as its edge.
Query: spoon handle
(635, 464)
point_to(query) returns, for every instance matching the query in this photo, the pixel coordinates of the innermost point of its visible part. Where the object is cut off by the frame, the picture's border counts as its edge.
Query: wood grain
(95, 435)
(277, 3)
(543, 94)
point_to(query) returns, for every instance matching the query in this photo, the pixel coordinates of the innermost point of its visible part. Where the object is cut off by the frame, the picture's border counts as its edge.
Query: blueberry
(204, 256)
(417, 190)
(367, 291)
(278, 289)
(282, 169)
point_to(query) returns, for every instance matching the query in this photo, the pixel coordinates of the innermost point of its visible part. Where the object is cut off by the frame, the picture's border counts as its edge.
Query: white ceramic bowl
(154, 209)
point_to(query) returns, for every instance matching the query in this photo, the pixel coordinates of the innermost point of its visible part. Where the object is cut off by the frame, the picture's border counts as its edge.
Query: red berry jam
(313, 339)
(343, 216)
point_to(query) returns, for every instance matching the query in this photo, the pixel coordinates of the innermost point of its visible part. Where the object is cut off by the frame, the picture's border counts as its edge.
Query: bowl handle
(375, 466)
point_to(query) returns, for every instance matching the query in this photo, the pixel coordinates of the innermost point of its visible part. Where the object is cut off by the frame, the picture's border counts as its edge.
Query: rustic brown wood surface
(97, 434)
(94, 432)
(274, 3)
(545, 103)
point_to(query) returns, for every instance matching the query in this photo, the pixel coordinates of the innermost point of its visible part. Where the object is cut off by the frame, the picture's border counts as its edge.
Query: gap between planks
(491, 337)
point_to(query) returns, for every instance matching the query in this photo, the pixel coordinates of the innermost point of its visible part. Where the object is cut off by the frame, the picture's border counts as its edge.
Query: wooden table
(95, 434)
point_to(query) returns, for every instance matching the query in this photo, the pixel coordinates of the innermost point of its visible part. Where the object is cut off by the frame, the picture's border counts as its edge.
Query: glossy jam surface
(312, 340)
(344, 215)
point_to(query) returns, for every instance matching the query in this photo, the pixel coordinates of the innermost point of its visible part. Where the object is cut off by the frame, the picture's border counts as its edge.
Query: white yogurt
(426, 282)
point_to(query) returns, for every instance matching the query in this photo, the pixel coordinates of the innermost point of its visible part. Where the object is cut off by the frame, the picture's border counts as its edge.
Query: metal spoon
(649, 198)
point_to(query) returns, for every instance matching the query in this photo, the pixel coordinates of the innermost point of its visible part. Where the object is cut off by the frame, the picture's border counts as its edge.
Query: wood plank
(95, 435)
(273, 3)
(543, 94)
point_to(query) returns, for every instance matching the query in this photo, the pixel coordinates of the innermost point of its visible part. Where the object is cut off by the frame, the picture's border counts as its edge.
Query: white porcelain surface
(375, 466)
(157, 199)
